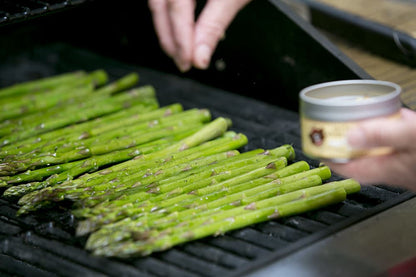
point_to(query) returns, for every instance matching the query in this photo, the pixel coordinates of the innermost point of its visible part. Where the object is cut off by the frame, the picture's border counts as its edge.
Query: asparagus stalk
(200, 206)
(8, 111)
(234, 175)
(179, 119)
(185, 202)
(210, 131)
(166, 177)
(218, 171)
(34, 200)
(41, 84)
(293, 173)
(228, 142)
(100, 95)
(170, 183)
(125, 117)
(120, 155)
(79, 193)
(68, 171)
(215, 225)
(63, 95)
(75, 115)
(126, 136)
(233, 194)
(8, 168)
(283, 151)
(169, 170)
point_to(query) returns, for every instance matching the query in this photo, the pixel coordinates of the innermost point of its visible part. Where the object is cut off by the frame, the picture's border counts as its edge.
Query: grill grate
(11, 12)
(43, 243)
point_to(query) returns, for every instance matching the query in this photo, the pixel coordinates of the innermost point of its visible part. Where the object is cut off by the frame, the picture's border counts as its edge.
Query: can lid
(350, 100)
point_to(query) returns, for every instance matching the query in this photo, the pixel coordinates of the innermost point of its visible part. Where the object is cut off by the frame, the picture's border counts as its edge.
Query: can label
(327, 140)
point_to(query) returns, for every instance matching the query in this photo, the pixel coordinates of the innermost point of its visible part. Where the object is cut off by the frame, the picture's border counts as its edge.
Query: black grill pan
(43, 243)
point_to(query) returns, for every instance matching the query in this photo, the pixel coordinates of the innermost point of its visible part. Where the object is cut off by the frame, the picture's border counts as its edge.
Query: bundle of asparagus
(144, 178)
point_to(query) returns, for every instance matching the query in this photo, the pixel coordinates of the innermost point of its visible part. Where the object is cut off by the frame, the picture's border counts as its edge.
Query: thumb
(397, 133)
(210, 28)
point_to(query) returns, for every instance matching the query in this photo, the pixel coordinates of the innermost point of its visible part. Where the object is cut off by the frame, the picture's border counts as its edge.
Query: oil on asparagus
(144, 178)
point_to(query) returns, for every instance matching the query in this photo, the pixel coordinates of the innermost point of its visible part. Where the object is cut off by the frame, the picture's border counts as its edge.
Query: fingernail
(356, 138)
(182, 66)
(202, 56)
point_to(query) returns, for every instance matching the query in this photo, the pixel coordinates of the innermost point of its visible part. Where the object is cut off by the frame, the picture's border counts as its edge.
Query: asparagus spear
(97, 144)
(200, 206)
(210, 131)
(144, 244)
(291, 174)
(42, 173)
(228, 142)
(125, 117)
(41, 84)
(168, 175)
(63, 95)
(29, 200)
(100, 94)
(148, 188)
(184, 202)
(165, 170)
(185, 118)
(142, 179)
(166, 203)
(68, 171)
(40, 105)
(74, 115)
(132, 187)
(234, 175)
(7, 168)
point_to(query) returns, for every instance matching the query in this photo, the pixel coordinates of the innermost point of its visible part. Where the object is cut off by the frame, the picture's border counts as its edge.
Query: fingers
(365, 170)
(174, 25)
(163, 28)
(398, 133)
(181, 13)
(396, 169)
(210, 28)
(187, 42)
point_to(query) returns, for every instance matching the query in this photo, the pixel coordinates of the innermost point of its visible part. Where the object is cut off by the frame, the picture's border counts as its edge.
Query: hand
(189, 42)
(397, 168)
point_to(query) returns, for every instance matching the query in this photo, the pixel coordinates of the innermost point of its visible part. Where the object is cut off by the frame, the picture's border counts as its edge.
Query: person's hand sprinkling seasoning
(189, 41)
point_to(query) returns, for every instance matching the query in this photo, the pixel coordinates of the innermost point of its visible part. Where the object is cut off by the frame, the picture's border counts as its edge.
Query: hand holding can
(360, 131)
(329, 110)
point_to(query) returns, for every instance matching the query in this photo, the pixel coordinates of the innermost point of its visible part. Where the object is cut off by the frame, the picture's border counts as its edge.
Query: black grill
(17, 11)
(44, 243)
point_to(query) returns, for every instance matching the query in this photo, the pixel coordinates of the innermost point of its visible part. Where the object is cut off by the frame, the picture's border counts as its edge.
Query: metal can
(329, 110)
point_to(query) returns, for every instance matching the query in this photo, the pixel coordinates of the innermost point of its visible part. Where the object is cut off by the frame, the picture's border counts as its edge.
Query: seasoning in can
(329, 110)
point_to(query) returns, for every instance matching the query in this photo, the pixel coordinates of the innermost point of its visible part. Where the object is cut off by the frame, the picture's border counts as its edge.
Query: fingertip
(182, 58)
(202, 56)
(183, 66)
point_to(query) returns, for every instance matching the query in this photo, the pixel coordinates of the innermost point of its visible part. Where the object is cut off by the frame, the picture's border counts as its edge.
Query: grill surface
(44, 243)
(12, 12)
